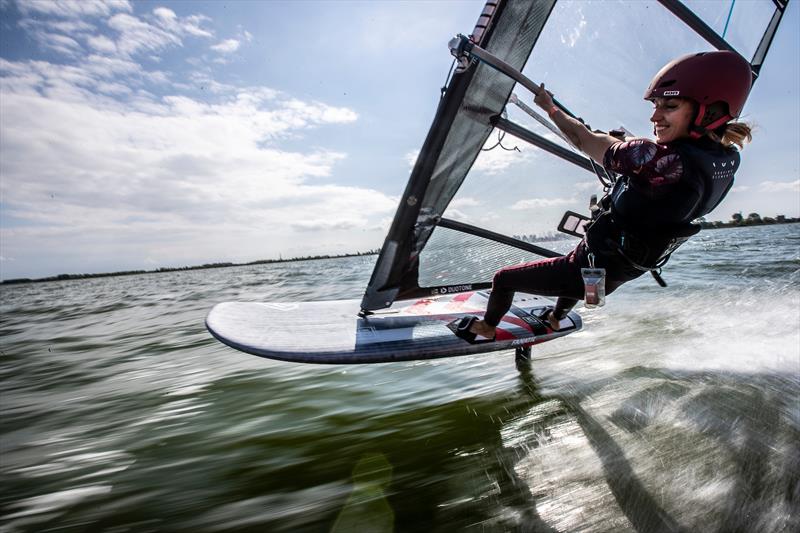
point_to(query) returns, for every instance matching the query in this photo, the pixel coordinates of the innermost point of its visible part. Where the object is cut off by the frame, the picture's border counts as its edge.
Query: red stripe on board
(500, 333)
(503, 335)
(419, 306)
(517, 322)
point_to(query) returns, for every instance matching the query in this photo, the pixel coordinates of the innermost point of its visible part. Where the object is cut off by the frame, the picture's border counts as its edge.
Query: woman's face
(671, 118)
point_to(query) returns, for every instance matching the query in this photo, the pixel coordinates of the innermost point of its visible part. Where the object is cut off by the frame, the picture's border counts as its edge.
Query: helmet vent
(666, 84)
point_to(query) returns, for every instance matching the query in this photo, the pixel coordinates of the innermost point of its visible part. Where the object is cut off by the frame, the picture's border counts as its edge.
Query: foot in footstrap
(462, 328)
(548, 316)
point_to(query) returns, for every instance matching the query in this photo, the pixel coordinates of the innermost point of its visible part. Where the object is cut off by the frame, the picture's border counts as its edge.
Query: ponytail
(737, 133)
(730, 133)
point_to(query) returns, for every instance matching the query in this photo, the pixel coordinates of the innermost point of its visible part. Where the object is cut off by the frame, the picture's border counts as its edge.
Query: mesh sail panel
(455, 258)
(459, 131)
(519, 26)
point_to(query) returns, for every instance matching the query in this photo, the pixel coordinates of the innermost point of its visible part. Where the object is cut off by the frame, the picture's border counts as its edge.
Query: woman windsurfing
(663, 185)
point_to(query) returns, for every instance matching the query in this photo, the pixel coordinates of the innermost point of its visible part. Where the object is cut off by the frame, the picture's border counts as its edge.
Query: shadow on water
(639, 506)
(744, 416)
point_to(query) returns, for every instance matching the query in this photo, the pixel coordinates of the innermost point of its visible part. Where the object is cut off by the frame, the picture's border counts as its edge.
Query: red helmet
(710, 79)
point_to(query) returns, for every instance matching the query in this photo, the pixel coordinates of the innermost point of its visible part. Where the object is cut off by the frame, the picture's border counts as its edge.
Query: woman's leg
(563, 306)
(557, 276)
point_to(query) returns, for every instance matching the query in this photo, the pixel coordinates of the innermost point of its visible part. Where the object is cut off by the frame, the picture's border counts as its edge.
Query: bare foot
(479, 327)
(555, 323)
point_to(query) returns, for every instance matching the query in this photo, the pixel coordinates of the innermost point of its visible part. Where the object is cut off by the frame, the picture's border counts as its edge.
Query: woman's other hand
(544, 99)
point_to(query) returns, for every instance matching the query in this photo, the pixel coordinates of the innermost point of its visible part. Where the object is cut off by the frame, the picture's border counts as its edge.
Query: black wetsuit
(663, 188)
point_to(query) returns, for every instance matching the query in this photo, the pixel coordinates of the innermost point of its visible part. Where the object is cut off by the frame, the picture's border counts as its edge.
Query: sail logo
(451, 290)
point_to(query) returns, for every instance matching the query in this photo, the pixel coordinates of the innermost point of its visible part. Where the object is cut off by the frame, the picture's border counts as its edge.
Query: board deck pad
(332, 332)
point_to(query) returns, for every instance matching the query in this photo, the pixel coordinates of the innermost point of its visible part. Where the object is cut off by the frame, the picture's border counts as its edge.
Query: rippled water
(673, 410)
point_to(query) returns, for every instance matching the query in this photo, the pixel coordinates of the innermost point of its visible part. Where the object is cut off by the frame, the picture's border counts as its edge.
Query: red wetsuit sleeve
(652, 168)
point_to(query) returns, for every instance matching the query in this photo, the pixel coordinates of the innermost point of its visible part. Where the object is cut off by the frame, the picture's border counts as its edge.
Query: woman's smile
(671, 118)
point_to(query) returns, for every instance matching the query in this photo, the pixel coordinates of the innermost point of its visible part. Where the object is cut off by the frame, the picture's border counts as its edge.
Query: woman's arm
(592, 144)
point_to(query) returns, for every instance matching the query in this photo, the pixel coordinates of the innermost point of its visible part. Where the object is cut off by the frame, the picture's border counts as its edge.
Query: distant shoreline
(747, 222)
(67, 277)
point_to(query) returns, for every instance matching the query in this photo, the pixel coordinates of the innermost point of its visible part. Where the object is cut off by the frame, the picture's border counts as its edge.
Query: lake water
(674, 409)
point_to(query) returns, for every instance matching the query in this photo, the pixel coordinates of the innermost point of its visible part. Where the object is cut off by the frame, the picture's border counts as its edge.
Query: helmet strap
(699, 128)
(696, 129)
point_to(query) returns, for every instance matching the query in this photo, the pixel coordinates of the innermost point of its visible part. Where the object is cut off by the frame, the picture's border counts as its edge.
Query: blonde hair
(737, 133)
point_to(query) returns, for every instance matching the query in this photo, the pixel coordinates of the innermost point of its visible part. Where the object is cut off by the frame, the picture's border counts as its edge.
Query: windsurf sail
(447, 234)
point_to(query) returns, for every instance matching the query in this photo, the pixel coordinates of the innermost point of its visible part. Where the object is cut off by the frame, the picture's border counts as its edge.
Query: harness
(644, 232)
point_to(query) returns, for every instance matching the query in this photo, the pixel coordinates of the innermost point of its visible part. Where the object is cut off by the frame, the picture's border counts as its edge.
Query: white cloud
(227, 46)
(136, 35)
(455, 214)
(87, 151)
(589, 185)
(533, 203)
(78, 82)
(780, 186)
(111, 67)
(573, 36)
(740, 188)
(165, 15)
(59, 43)
(191, 25)
(411, 158)
(73, 8)
(336, 208)
(488, 218)
(465, 202)
(61, 25)
(326, 225)
(101, 43)
(64, 26)
(114, 89)
(204, 80)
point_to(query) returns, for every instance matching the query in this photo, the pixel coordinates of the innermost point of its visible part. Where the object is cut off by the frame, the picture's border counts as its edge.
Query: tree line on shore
(737, 220)
(753, 219)
(64, 277)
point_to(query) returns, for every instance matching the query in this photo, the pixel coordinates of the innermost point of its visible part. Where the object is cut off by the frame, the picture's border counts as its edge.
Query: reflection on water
(673, 410)
(367, 507)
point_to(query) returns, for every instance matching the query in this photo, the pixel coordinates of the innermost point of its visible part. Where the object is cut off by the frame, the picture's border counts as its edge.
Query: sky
(147, 134)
